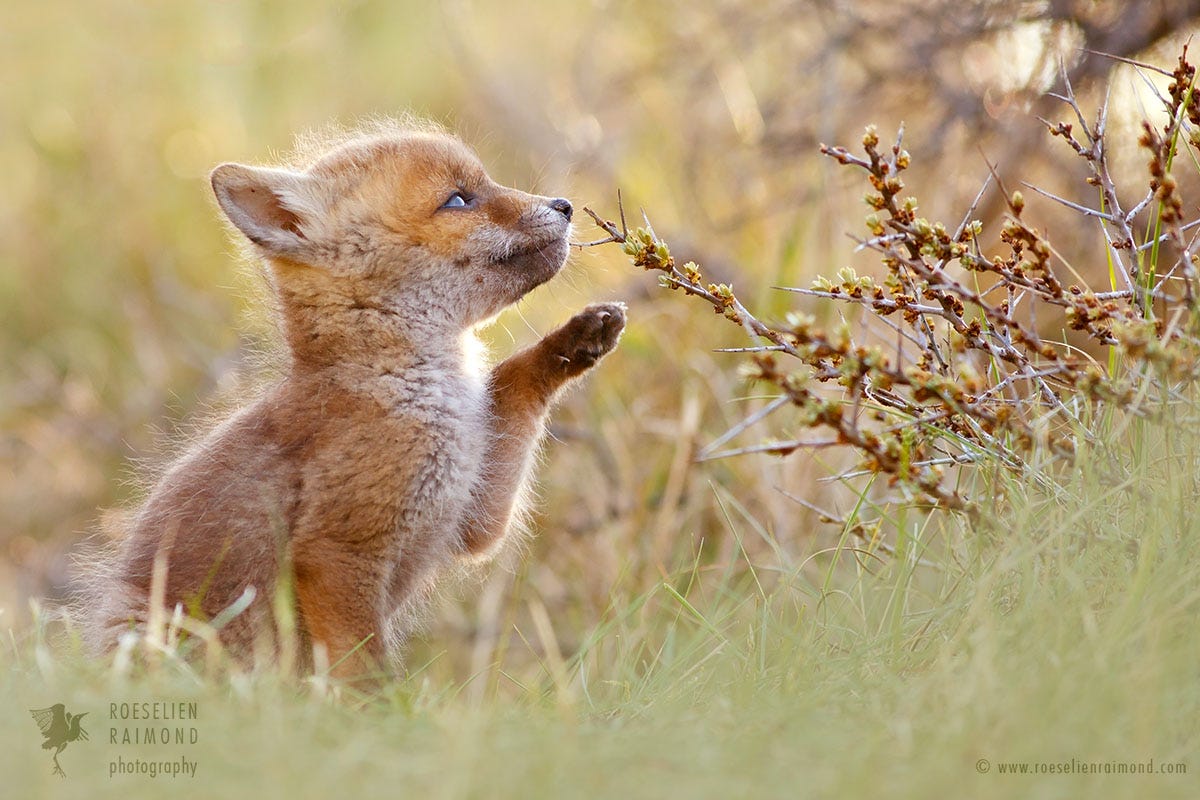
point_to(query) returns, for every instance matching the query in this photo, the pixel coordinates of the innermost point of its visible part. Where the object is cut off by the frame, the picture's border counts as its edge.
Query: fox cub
(386, 454)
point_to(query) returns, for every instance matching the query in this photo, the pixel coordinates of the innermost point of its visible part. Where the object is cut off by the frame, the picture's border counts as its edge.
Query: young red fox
(385, 454)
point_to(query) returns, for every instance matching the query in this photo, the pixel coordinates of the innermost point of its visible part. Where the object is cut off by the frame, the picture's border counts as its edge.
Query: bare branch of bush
(975, 376)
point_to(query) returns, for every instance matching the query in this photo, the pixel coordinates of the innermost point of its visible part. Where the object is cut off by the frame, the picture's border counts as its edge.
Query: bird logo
(59, 728)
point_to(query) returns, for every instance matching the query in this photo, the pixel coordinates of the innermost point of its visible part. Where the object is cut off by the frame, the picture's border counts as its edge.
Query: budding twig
(967, 381)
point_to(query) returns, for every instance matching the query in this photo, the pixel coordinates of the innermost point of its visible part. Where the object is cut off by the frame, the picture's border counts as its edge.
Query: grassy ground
(1068, 636)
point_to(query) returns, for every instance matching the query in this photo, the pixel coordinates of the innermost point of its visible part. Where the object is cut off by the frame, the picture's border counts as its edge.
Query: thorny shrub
(974, 379)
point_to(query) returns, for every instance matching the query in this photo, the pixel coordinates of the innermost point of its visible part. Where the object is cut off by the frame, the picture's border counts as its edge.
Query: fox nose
(563, 206)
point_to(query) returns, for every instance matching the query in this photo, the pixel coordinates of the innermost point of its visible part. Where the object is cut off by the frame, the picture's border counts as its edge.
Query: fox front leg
(522, 389)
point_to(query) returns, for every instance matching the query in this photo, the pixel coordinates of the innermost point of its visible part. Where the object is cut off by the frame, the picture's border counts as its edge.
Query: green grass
(1069, 633)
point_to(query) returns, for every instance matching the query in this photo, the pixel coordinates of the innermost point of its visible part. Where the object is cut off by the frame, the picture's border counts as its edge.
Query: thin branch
(756, 417)
(1091, 212)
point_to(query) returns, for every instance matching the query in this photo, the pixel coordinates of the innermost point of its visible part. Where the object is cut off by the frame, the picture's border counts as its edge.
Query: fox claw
(588, 336)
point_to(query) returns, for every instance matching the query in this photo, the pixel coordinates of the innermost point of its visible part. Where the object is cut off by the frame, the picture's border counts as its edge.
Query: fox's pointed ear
(270, 206)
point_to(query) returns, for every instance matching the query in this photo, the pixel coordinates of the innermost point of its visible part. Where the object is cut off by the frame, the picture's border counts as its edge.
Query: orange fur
(384, 454)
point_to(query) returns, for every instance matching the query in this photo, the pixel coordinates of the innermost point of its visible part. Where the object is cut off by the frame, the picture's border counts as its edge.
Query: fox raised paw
(584, 339)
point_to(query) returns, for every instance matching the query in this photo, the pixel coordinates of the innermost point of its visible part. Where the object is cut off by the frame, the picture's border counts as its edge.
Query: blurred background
(128, 321)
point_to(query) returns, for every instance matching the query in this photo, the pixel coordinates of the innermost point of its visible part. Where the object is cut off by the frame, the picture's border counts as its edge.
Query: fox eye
(457, 200)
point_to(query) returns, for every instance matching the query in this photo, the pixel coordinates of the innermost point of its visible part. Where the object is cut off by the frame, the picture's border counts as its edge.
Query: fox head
(406, 224)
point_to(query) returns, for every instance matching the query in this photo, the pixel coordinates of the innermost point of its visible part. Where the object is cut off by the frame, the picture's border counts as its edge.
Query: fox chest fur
(409, 508)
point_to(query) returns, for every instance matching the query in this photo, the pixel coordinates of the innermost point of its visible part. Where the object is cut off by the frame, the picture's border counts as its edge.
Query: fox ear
(270, 206)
